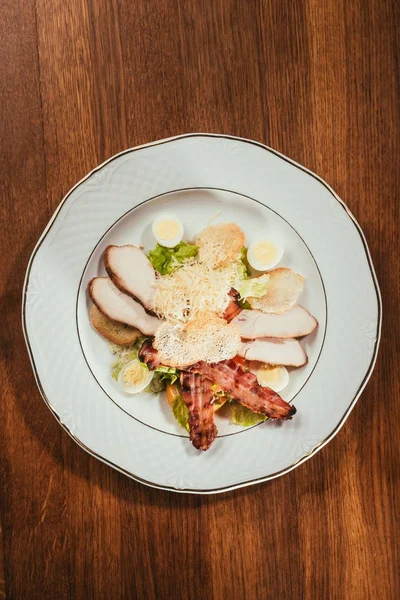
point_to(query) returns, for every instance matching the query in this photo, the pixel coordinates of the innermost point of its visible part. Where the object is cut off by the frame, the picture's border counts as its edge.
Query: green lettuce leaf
(156, 385)
(255, 288)
(246, 267)
(166, 260)
(181, 412)
(244, 304)
(168, 375)
(244, 416)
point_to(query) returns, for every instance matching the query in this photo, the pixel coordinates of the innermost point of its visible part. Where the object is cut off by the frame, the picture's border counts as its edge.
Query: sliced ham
(119, 307)
(198, 395)
(132, 272)
(274, 352)
(293, 323)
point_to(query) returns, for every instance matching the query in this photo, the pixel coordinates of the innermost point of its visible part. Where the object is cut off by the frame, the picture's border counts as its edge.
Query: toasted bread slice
(115, 332)
(284, 287)
(220, 244)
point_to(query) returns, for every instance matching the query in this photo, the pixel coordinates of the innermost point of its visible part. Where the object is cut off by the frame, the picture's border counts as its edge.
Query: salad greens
(166, 260)
(167, 374)
(181, 412)
(125, 354)
(244, 416)
(162, 377)
(255, 287)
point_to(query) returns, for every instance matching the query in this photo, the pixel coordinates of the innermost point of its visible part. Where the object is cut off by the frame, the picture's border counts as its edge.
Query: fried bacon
(243, 387)
(233, 378)
(197, 395)
(149, 355)
(233, 308)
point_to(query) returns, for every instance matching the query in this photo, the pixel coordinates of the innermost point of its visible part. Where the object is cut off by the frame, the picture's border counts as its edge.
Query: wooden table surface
(84, 79)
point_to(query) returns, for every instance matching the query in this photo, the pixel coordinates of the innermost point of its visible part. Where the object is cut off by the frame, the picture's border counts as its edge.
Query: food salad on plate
(212, 322)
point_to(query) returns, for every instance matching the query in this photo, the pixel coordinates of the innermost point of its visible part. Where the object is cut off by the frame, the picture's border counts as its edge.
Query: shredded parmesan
(193, 289)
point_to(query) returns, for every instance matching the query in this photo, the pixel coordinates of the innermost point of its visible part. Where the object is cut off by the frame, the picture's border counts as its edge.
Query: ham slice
(197, 395)
(131, 272)
(274, 352)
(120, 307)
(293, 323)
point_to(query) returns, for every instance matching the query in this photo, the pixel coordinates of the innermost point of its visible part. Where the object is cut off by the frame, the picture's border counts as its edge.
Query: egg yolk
(265, 252)
(167, 230)
(136, 375)
(268, 374)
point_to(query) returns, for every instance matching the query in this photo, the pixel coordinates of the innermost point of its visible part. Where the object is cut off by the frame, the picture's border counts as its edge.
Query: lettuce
(220, 397)
(245, 305)
(168, 375)
(124, 355)
(166, 260)
(156, 385)
(244, 416)
(255, 288)
(244, 263)
(181, 412)
(162, 377)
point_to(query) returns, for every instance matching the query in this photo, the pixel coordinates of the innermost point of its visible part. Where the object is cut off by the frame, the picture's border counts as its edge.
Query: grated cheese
(193, 289)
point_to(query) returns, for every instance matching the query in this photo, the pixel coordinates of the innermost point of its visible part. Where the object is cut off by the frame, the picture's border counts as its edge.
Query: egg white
(135, 365)
(168, 243)
(261, 372)
(255, 262)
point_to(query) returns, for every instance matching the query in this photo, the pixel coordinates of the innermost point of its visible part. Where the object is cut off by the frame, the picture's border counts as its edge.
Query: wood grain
(83, 79)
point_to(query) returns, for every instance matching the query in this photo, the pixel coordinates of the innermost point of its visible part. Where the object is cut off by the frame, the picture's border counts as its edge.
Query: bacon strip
(233, 308)
(243, 387)
(197, 395)
(235, 381)
(149, 355)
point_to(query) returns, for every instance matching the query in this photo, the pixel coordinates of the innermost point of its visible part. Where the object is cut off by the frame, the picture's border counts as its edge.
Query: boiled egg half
(265, 254)
(135, 377)
(168, 230)
(270, 376)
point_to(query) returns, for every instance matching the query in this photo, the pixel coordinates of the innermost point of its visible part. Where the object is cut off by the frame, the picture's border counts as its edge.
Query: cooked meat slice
(233, 308)
(243, 387)
(149, 355)
(235, 380)
(197, 395)
(120, 307)
(115, 332)
(293, 323)
(132, 272)
(274, 352)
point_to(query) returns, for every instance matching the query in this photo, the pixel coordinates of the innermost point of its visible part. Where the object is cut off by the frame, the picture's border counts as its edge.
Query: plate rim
(350, 407)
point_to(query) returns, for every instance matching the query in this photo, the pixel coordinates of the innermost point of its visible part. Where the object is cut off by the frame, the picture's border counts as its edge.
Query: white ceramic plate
(200, 177)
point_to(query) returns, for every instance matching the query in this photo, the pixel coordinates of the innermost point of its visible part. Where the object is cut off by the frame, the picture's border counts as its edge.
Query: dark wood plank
(32, 492)
(2, 578)
(82, 80)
